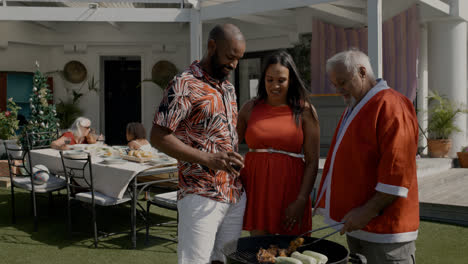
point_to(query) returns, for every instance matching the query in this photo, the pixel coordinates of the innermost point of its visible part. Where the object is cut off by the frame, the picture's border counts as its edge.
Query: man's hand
(357, 219)
(226, 161)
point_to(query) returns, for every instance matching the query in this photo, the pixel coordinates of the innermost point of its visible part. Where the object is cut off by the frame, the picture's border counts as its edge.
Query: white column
(448, 69)
(244, 88)
(422, 91)
(195, 35)
(374, 35)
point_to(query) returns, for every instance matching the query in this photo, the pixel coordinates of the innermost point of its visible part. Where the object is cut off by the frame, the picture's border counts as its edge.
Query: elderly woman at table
(79, 133)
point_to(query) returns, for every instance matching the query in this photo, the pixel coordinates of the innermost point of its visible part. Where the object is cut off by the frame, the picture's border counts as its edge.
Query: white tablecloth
(109, 179)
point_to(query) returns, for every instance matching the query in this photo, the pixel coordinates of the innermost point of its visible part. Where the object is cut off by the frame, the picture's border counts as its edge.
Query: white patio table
(110, 179)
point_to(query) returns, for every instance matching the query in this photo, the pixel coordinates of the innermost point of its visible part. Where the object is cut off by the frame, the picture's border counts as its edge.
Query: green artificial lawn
(437, 243)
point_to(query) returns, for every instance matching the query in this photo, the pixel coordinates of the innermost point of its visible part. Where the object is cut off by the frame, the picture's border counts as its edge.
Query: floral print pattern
(202, 112)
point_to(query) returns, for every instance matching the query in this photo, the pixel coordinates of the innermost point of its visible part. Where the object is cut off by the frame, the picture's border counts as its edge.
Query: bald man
(196, 123)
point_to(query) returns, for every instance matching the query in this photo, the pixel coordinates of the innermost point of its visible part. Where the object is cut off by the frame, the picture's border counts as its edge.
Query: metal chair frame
(148, 221)
(19, 166)
(41, 140)
(137, 189)
(74, 173)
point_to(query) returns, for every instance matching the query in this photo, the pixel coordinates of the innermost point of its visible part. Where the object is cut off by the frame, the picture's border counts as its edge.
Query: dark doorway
(122, 97)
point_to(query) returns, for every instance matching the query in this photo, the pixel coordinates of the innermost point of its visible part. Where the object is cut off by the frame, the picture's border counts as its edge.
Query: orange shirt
(375, 151)
(70, 135)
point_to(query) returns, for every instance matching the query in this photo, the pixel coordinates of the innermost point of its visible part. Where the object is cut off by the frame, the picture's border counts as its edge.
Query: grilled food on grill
(268, 255)
(287, 260)
(274, 254)
(321, 259)
(265, 256)
(303, 258)
(282, 252)
(295, 244)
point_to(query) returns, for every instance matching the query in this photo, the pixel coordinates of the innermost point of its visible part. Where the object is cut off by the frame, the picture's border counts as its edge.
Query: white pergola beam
(75, 14)
(437, 4)
(279, 13)
(106, 1)
(264, 21)
(374, 35)
(248, 7)
(340, 12)
(351, 3)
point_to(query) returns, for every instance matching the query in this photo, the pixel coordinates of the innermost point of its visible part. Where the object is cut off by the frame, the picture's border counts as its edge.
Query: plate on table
(78, 146)
(163, 161)
(113, 160)
(75, 154)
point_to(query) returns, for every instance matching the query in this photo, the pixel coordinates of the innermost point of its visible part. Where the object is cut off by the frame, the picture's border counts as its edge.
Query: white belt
(270, 150)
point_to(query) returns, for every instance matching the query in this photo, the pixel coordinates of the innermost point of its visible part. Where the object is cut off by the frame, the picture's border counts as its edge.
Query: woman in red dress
(281, 129)
(79, 134)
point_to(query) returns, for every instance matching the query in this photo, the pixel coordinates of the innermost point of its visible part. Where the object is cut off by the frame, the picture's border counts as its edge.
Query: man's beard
(350, 102)
(217, 68)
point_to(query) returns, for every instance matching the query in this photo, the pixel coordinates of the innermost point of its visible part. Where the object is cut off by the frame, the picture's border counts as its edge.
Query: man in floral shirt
(196, 123)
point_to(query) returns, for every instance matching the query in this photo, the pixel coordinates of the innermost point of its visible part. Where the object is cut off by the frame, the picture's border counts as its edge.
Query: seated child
(136, 137)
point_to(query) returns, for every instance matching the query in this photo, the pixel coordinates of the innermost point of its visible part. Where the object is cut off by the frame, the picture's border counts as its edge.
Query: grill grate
(244, 256)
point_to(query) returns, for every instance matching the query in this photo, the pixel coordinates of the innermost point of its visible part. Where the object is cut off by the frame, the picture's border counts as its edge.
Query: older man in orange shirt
(369, 179)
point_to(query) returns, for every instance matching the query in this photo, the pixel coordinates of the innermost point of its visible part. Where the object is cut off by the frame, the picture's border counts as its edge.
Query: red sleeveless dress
(273, 180)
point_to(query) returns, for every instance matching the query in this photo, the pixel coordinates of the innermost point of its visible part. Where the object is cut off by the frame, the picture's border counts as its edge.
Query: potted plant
(463, 157)
(9, 123)
(442, 113)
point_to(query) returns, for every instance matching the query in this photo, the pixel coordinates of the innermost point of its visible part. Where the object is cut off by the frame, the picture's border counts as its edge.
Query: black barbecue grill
(244, 250)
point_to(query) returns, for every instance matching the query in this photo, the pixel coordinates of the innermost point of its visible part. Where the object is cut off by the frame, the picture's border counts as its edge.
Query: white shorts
(205, 226)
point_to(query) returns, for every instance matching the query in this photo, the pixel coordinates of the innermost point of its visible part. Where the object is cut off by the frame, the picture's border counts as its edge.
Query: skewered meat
(293, 245)
(273, 250)
(265, 256)
(282, 252)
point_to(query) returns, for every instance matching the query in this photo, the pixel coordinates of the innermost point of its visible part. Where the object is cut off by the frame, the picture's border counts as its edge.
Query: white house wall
(47, 47)
(21, 57)
(28, 42)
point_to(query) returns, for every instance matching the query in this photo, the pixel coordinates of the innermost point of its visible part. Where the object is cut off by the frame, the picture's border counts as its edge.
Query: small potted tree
(442, 113)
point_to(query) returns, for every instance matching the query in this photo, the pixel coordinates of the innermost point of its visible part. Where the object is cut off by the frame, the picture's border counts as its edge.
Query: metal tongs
(323, 237)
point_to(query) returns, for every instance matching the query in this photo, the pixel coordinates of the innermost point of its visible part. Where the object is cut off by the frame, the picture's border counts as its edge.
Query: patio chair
(166, 200)
(41, 140)
(21, 176)
(81, 188)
